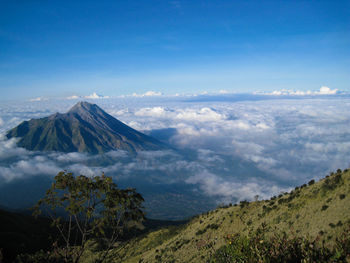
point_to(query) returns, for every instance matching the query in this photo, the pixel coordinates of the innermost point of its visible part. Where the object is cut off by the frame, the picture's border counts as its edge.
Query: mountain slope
(84, 128)
(319, 210)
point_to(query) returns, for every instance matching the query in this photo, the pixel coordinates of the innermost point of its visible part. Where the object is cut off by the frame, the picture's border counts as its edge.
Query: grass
(315, 211)
(309, 224)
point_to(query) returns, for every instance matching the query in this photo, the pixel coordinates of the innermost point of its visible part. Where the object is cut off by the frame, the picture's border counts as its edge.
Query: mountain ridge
(84, 128)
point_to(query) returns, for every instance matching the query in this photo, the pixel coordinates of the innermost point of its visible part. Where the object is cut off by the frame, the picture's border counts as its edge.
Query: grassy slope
(320, 209)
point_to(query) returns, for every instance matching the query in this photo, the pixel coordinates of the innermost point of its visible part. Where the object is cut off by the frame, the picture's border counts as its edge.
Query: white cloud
(74, 97)
(222, 91)
(323, 91)
(327, 91)
(38, 99)
(96, 96)
(117, 154)
(71, 157)
(148, 94)
(214, 185)
(8, 149)
(152, 112)
(204, 114)
(1, 121)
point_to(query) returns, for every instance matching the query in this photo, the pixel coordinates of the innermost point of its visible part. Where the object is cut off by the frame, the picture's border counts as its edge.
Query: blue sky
(61, 48)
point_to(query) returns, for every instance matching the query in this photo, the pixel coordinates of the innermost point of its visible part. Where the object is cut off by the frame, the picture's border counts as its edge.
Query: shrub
(279, 248)
(213, 226)
(311, 182)
(332, 225)
(324, 207)
(342, 196)
(332, 182)
(339, 223)
(210, 226)
(243, 204)
(256, 247)
(281, 201)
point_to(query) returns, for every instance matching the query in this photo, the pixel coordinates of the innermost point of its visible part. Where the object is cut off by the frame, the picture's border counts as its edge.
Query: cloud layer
(230, 150)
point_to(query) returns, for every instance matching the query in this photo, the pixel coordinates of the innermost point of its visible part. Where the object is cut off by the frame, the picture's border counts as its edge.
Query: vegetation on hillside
(309, 224)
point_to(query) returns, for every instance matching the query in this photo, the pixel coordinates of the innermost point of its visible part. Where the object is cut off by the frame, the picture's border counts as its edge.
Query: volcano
(84, 128)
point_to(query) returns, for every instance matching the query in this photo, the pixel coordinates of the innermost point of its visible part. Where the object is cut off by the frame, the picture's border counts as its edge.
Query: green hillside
(312, 220)
(318, 211)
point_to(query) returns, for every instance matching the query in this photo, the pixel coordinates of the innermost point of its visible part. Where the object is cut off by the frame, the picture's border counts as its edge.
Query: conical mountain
(84, 128)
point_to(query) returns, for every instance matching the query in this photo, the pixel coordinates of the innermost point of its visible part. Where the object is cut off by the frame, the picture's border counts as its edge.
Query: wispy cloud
(148, 94)
(96, 96)
(73, 97)
(284, 92)
(38, 99)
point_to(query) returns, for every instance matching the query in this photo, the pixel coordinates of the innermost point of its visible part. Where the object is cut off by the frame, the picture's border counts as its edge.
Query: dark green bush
(324, 207)
(311, 182)
(213, 226)
(279, 248)
(332, 225)
(200, 232)
(243, 204)
(331, 182)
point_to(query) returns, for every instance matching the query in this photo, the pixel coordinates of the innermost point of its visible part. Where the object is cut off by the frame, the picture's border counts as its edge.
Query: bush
(332, 225)
(279, 248)
(330, 183)
(243, 204)
(324, 207)
(311, 182)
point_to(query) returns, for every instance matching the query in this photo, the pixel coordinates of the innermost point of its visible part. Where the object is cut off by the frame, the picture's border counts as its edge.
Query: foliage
(256, 247)
(39, 257)
(291, 226)
(93, 208)
(330, 183)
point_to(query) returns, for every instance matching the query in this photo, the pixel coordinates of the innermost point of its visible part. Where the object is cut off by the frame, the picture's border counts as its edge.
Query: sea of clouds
(232, 148)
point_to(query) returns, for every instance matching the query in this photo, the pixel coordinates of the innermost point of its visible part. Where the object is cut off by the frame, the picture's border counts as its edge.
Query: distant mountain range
(84, 128)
